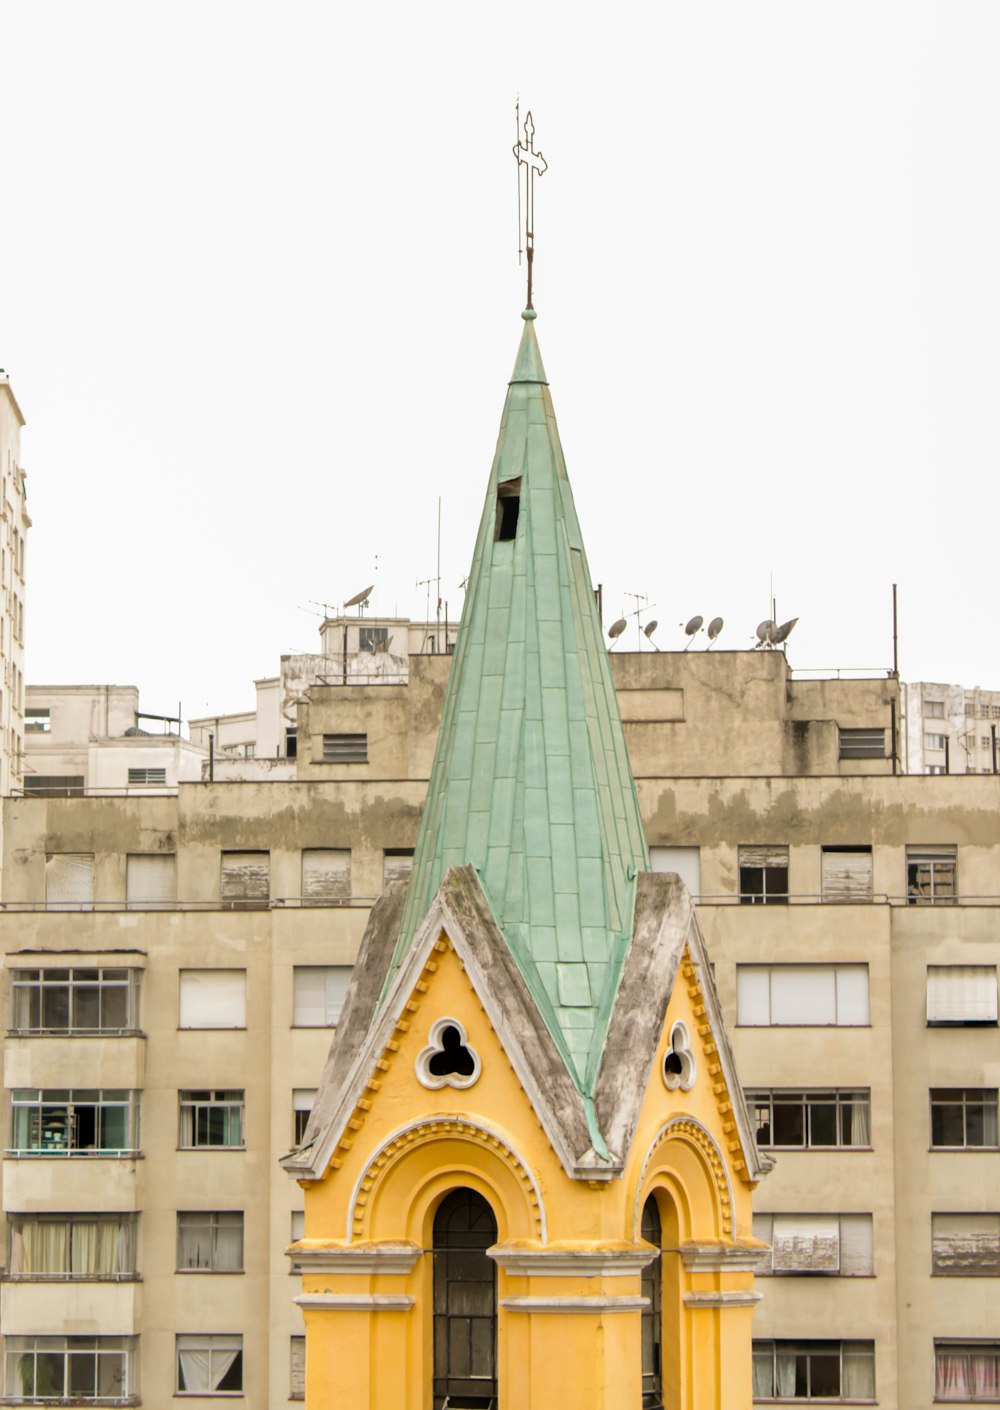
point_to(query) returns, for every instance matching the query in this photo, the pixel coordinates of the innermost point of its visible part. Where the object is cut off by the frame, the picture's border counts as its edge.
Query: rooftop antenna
(642, 604)
(360, 599)
(692, 629)
(532, 162)
(648, 631)
(714, 628)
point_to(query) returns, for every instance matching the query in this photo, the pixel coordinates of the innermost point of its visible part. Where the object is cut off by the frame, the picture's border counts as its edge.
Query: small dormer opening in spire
(508, 508)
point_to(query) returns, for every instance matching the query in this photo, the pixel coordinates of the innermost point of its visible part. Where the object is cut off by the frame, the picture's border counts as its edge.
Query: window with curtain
(962, 994)
(965, 1245)
(834, 1245)
(73, 1123)
(967, 1370)
(211, 1119)
(209, 1365)
(796, 1119)
(814, 1370)
(964, 1117)
(99, 1246)
(802, 995)
(209, 1241)
(319, 995)
(213, 998)
(69, 1368)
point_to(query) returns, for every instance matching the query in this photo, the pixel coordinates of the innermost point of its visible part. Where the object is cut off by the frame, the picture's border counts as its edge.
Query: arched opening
(465, 1304)
(652, 1313)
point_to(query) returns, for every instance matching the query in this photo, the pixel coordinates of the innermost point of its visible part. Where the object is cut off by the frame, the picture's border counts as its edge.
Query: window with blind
(209, 1241)
(345, 748)
(802, 995)
(326, 876)
(763, 875)
(303, 1100)
(962, 995)
(213, 998)
(965, 1245)
(931, 875)
(246, 880)
(837, 1245)
(847, 874)
(862, 743)
(69, 880)
(320, 991)
(150, 880)
(298, 1368)
(150, 778)
(397, 863)
(58, 1246)
(686, 862)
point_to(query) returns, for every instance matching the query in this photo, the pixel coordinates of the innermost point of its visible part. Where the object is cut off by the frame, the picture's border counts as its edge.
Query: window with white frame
(91, 1247)
(326, 875)
(303, 1101)
(320, 990)
(967, 1371)
(397, 863)
(73, 1000)
(847, 874)
(802, 995)
(209, 1241)
(69, 1369)
(931, 875)
(150, 880)
(147, 778)
(212, 1120)
(213, 998)
(246, 880)
(74, 1122)
(828, 1119)
(964, 1118)
(837, 1245)
(814, 1370)
(69, 880)
(297, 1359)
(763, 875)
(686, 862)
(209, 1365)
(962, 994)
(965, 1245)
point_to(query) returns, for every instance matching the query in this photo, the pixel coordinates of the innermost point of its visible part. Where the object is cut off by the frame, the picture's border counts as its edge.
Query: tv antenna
(643, 604)
(532, 163)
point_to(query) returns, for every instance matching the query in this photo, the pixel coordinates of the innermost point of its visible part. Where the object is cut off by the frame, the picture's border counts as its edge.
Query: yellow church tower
(528, 1170)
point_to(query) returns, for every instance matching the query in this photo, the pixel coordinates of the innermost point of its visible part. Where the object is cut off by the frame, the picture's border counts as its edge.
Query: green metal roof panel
(531, 782)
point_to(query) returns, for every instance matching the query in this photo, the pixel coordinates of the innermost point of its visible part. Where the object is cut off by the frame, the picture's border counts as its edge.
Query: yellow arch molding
(684, 1129)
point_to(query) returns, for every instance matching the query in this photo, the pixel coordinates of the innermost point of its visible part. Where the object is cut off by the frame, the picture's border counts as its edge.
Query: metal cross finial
(531, 162)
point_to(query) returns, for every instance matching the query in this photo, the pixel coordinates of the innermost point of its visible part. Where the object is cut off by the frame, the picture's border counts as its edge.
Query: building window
(802, 995)
(326, 875)
(967, 1371)
(74, 1000)
(209, 1241)
(397, 863)
(246, 880)
(74, 1123)
(150, 880)
(298, 1231)
(862, 743)
(847, 874)
(303, 1099)
(935, 741)
(373, 639)
(964, 1118)
(53, 785)
(69, 880)
(652, 1313)
(934, 709)
(962, 994)
(213, 998)
(209, 1365)
(812, 1120)
(58, 1246)
(965, 1245)
(931, 875)
(320, 990)
(935, 769)
(211, 1120)
(345, 749)
(465, 1301)
(814, 1370)
(686, 862)
(69, 1369)
(297, 1390)
(291, 743)
(149, 778)
(37, 720)
(508, 509)
(763, 875)
(836, 1245)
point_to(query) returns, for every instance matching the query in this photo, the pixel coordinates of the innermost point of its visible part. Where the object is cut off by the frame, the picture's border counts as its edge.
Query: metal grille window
(246, 880)
(212, 1120)
(967, 1371)
(965, 1245)
(150, 880)
(209, 1241)
(326, 875)
(862, 743)
(802, 995)
(833, 1245)
(69, 880)
(209, 1365)
(73, 1123)
(964, 1118)
(69, 1369)
(345, 749)
(53, 785)
(812, 1120)
(74, 1000)
(763, 875)
(465, 1303)
(847, 874)
(814, 1370)
(931, 875)
(152, 778)
(59, 1246)
(962, 994)
(373, 639)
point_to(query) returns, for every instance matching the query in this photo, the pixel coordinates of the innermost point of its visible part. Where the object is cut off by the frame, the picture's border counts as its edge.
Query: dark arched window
(652, 1313)
(465, 1304)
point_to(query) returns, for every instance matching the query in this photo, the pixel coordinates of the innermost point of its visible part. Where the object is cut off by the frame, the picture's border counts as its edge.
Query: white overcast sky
(259, 301)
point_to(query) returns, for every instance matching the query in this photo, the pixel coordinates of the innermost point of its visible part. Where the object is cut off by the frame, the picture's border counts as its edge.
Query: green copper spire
(531, 782)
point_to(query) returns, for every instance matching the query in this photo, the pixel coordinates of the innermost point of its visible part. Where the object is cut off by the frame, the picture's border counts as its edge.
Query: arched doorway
(465, 1304)
(652, 1313)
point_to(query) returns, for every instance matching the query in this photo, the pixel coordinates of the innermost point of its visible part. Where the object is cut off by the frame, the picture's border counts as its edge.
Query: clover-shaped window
(679, 1065)
(447, 1061)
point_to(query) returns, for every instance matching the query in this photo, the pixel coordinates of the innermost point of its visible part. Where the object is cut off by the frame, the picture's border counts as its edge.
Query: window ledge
(212, 1028)
(70, 1278)
(50, 1033)
(212, 1273)
(826, 1150)
(964, 1150)
(74, 1400)
(73, 1155)
(211, 1150)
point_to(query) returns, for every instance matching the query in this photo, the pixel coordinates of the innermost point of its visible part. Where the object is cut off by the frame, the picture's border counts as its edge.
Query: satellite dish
(616, 628)
(650, 627)
(360, 596)
(783, 632)
(715, 627)
(693, 626)
(766, 631)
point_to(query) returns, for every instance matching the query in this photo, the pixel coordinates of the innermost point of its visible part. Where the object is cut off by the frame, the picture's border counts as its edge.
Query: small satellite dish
(714, 628)
(650, 627)
(693, 626)
(766, 631)
(783, 632)
(360, 596)
(616, 628)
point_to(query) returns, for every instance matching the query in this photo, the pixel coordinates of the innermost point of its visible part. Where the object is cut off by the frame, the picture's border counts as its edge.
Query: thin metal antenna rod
(533, 162)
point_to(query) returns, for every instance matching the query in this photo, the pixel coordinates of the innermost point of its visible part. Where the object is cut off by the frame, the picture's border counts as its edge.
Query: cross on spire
(529, 162)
